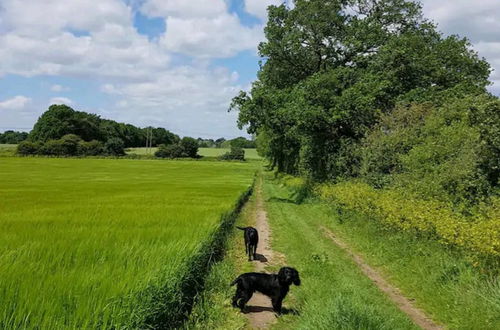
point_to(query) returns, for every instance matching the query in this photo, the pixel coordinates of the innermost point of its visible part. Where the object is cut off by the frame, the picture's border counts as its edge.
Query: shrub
(91, 148)
(478, 233)
(53, 148)
(27, 148)
(190, 147)
(236, 153)
(170, 151)
(114, 147)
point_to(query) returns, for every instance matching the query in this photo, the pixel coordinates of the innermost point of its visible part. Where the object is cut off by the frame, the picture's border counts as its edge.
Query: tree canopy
(60, 120)
(331, 68)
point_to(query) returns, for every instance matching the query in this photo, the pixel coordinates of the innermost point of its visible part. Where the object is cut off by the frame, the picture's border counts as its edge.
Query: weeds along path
(259, 309)
(404, 304)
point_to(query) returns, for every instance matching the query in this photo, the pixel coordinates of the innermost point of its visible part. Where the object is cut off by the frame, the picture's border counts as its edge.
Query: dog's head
(289, 275)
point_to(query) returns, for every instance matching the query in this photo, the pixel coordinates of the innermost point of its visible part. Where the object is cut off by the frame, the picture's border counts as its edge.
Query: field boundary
(417, 315)
(171, 306)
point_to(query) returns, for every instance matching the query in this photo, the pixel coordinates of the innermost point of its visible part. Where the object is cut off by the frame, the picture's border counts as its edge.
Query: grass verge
(442, 281)
(334, 293)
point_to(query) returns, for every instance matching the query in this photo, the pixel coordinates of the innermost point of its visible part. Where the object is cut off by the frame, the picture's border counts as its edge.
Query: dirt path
(259, 309)
(416, 315)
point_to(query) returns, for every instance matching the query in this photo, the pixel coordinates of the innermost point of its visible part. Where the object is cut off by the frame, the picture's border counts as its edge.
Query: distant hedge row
(72, 145)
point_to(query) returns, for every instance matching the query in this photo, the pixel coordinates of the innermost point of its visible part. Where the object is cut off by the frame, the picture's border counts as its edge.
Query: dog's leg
(244, 299)
(237, 296)
(277, 304)
(254, 252)
(249, 252)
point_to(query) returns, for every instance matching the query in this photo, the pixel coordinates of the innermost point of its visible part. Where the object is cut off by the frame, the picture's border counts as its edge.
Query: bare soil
(259, 309)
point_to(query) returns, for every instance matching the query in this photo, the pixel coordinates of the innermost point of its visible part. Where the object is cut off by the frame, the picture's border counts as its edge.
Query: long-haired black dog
(251, 240)
(275, 286)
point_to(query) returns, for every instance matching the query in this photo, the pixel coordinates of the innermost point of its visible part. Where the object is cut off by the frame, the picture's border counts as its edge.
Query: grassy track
(205, 152)
(443, 283)
(86, 242)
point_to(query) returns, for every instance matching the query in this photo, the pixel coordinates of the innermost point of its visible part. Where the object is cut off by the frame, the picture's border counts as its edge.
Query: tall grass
(88, 243)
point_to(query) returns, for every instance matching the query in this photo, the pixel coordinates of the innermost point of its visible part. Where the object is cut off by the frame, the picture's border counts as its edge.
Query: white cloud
(184, 8)
(60, 100)
(217, 37)
(16, 103)
(479, 21)
(258, 8)
(59, 88)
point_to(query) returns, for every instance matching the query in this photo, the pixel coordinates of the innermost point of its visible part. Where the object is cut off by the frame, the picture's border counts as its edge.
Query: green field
(89, 243)
(205, 152)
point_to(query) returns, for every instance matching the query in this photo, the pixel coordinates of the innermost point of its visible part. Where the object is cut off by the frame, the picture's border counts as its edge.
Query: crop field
(88, 243)
(205, 152)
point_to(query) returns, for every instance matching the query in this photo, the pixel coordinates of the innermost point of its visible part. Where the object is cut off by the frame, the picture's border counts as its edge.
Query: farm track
(259, 309)
(417, 315)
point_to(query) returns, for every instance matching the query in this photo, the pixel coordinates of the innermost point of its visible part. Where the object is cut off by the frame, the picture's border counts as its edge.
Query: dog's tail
(242, 228)
(235, 281)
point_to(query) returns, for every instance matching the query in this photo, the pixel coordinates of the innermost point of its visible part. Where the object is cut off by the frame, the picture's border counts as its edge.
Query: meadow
(88, 243)
(205, 152)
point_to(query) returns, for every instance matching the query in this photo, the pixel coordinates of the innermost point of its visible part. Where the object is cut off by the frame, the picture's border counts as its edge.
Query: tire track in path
(417, 315)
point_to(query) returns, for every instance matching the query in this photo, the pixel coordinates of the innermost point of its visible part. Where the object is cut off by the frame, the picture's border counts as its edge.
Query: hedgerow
(478, 233)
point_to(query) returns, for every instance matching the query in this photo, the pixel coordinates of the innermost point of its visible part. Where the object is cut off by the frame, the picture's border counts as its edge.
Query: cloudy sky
(168, 63)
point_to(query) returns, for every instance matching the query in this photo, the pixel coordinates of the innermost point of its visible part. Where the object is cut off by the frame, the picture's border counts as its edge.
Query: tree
(13, 137)
(236, 153)
(27, 148)
(190, 147)
(114, 147)
(332, 67)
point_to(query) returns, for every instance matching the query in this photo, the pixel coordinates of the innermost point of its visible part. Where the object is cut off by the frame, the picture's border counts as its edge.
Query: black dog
(251, 239)
(275, 286)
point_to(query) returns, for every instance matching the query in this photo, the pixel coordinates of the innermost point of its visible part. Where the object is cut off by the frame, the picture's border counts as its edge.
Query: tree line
(63, 131)
(371, 89)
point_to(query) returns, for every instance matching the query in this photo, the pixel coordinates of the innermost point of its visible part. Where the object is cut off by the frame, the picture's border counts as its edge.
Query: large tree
(331, 67)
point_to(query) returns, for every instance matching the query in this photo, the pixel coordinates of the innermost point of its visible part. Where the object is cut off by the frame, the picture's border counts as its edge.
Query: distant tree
(13, 137)
(114, 147)
(190, 147)
(219, 142)
(236, 153)
(170, 151)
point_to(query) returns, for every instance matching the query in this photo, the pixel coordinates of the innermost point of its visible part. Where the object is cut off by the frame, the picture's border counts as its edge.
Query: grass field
(205, 152)
(92, 243)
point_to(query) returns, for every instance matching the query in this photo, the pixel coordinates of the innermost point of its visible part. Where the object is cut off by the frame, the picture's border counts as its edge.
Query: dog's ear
(282, 275)
(296, 277)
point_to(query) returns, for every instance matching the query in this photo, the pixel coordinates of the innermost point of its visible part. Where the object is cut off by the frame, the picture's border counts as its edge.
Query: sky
(166, 63)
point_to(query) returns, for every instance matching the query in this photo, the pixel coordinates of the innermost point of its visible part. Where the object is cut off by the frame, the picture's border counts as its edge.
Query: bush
(190, 147)
(27, 148)
(170, 151)
(114, 147)
(236, 153)
(478, 233)
(91, 148)
(53, 148)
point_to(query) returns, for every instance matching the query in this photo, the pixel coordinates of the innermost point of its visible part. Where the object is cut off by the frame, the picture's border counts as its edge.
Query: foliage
(189, 147)
(114, 147)
(27, 148)
(60, 120)
(185, 148)
(478, 233)
(236, 153)
(446, 153)
(331, 68)
(170, 151)
(12, 137)
(90, 148)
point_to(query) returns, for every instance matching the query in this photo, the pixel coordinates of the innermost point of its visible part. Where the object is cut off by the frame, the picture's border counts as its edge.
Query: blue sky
(169, 63)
